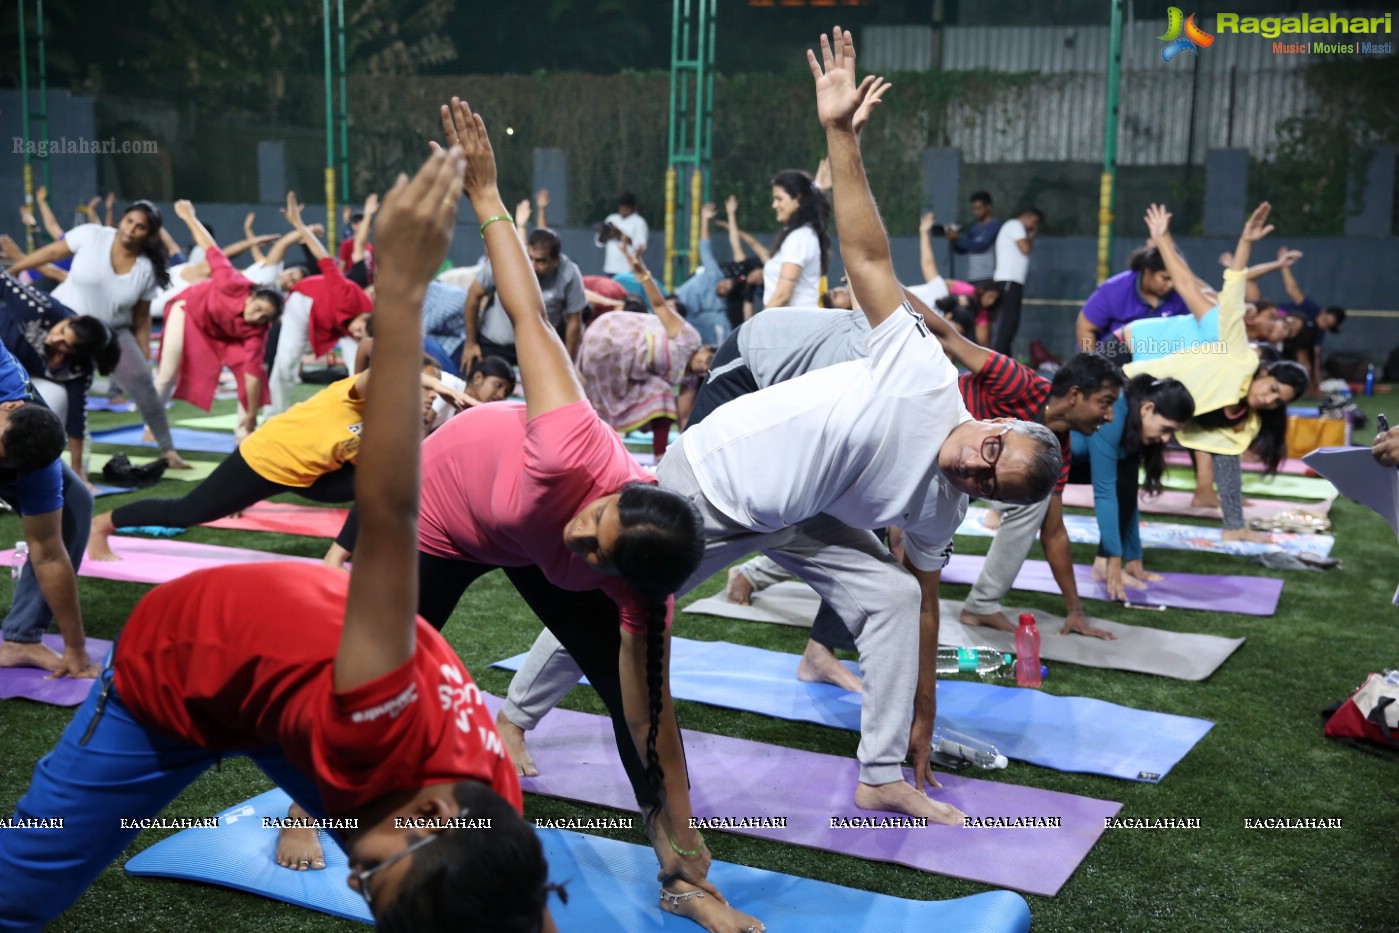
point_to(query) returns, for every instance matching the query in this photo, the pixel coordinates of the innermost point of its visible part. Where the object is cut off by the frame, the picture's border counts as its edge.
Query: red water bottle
(1027, 652)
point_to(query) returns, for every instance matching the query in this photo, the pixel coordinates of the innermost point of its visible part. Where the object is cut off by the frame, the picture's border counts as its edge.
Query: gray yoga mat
(1138, 648)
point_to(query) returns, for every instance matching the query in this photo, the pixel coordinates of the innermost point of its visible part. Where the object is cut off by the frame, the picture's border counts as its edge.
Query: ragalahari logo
(1194, 39)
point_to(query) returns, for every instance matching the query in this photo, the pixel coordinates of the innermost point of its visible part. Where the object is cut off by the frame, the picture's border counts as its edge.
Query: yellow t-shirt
(308, 440)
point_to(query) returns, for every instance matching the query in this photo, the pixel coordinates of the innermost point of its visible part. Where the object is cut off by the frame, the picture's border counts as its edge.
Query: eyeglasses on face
(362, 876)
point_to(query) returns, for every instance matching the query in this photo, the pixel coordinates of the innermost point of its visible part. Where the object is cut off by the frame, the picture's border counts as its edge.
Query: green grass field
(1265, 757)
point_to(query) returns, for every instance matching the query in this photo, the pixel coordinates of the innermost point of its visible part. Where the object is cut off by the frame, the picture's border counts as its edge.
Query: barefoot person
(207, 666)
(802, 470)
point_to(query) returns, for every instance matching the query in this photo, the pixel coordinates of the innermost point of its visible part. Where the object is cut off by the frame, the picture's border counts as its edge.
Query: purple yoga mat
(31, 684)
(147, 560)
(1250, 596)
(733, 778)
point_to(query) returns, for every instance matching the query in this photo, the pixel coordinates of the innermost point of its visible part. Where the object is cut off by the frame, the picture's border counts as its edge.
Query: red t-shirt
(241, 657)
(335, 302)
(1006, 389)
(216, 335)
(499, 489)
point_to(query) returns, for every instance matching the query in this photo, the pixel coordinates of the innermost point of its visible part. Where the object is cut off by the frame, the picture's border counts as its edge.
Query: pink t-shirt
(499, 489)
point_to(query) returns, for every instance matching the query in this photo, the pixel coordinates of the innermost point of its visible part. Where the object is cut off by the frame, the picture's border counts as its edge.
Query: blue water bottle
(1370, 380)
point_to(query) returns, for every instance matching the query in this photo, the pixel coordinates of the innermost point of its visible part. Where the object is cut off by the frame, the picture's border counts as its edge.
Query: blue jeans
(107, 767)
(29, 616)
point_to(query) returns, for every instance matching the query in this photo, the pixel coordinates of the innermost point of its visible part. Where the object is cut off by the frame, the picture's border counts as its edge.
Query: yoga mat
(1083, 529)
(1064, 733)
(609, 883)
(1176, 502)
(99, 490)
(199, 471)
(734, 778)
(1138, 648)
(102, 404)
(1250, 596)
(183, 438)
(160, 560)
(1292, 466)
(228, 422)
(644, 437)
(1280, 486)
(286, 518)
(30, 683)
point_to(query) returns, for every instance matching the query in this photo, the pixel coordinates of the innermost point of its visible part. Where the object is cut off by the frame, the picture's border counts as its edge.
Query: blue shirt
(976, 243)
(444, 316)
(698, 290)
(1118, 301)
(1153, 338)
(1103, 450)
(36, 492)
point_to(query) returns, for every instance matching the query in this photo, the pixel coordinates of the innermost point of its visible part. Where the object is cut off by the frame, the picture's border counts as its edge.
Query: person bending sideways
(207, 666)
(547, 492)
(309, 450)
(805, 469)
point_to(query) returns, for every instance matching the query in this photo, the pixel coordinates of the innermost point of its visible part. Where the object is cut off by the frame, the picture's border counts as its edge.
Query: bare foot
(1204, 500)
(996, 620)
(514, 738)
(709, 911)
(900, 797)
(1245, 534)
(740, 588)
(22, 654)
(300, 848)
(991, 520)
(147, 437)
(175, 460)
(819, 665)
(98, 547)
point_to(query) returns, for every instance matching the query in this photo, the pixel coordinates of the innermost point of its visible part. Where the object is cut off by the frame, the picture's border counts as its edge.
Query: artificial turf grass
(1264, 758)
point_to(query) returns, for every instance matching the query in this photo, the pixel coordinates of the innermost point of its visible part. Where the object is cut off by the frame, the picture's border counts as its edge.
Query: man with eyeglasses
(330, 683)
(802, 470)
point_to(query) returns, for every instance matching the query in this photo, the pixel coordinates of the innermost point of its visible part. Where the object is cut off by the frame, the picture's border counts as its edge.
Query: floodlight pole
(1107, 191)
(330, 228)
(24, 124)
(43, 88)
(344, 108)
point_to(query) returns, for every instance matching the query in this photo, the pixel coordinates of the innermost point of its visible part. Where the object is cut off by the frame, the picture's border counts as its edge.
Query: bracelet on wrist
(490, 220)
(644, 277)
(687, 853)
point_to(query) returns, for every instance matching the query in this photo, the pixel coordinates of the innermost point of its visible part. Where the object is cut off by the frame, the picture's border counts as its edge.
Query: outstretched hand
(416, 222)
(707, 210)
(1257, 226)
(467, 130)
(872, 99)
(838, 97)
(1158, 221)
(184, 209)
(731, 205)
(926, 222)
(292, 212)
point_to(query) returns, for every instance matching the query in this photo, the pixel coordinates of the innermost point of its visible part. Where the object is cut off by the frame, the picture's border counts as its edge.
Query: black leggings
(729, 378)
(586, 624)
(232, 487)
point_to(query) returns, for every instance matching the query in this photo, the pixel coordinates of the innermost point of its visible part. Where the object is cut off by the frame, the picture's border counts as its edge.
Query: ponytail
(153, 246)
(1172, 400)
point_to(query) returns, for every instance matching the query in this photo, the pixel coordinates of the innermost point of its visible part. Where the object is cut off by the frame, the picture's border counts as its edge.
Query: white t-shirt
(1011, 264)
(613, 261)
(801, 248)
(858, 441)
(264, 275)
(443, 409)
(93, 286)
(178, 283)
(929, 292)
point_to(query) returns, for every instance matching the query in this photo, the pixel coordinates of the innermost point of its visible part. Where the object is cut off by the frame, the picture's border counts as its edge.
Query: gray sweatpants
(877, 599)
(133, 373)
(1010, 547)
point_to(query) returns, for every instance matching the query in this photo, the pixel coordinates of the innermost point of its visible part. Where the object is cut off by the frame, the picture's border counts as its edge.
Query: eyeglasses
(363, 876)
(991, 449)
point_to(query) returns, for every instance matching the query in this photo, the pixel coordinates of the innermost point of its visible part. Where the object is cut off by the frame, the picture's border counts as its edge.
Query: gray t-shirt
(781, 343)
(563, 296)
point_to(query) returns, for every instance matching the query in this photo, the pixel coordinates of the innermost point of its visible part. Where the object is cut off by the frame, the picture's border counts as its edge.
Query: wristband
(491, 220)
(644, 278)
(688, 853)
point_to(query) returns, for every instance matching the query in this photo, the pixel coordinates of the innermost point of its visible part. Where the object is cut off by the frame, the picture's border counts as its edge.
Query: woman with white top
(116, 273)
(792, 274)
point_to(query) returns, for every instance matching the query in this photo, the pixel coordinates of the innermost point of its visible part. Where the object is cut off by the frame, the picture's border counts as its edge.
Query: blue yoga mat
(1064, 733)
(109, 490)
(217, 442)
(611, 884)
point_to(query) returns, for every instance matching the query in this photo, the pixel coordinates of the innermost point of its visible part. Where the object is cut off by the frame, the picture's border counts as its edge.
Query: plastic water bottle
(1027, 648)
(956, 745)
(981, 660)
(1370, 380)
(21, 555)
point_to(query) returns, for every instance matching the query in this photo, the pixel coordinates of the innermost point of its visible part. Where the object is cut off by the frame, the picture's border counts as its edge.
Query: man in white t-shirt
(631, 225)
(803, 470)
(1013, 245)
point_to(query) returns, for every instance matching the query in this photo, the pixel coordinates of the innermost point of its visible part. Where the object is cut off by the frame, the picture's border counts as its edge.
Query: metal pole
(1107, 191)
(670, 145)
(707, 115)
(24, 123)
(43, 88)
(330, 228)
(669, 277)
(344, 108)
(696, 188)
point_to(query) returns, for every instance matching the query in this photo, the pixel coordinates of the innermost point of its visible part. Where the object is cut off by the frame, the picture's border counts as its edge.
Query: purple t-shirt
(1117, 302)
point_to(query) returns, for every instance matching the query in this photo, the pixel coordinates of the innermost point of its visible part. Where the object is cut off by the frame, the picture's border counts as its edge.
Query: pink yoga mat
(1175, 502)
(733, 778)
(1250, 596)
(32, 684)
(1290, 465)
(287, 519)
(160, 560)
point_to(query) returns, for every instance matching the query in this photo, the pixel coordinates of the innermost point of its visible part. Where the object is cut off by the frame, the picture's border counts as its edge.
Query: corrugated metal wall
(1241, 91)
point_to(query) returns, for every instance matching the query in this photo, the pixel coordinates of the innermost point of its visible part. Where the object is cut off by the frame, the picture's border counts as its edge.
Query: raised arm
(111, 203)
(308, 237)
(11, 251)
(277, 254)
(544, 362)
(735, 240)
(541, 204)
(672, 322)
(185, 211)
(966, 352)
(42, 256)
(51, 224)
(1158, 222)
(248, 234)
(864, 246)
(1289, 281)
(381, 611)
(926, 260)
(522, 215)
(357, 250)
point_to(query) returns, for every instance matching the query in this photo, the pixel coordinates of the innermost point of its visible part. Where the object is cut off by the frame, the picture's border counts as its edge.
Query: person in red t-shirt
(207, 666)
(222, 321)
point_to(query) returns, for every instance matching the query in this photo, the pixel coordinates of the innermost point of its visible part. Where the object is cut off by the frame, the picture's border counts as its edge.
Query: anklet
(675, 900)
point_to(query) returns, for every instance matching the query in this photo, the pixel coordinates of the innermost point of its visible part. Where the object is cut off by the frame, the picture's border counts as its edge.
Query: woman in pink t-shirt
(547, 492)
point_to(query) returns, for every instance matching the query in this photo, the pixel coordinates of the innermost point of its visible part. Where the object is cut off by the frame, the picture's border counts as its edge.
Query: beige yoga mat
(1177, 502)
(1138, 648)
(200, 469)
(226, 422)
